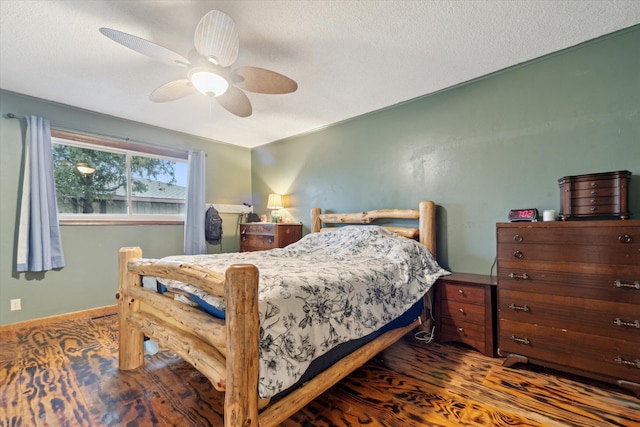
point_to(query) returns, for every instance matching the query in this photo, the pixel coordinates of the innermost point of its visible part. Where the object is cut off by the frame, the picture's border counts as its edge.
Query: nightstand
(260, 236)
(465, 306)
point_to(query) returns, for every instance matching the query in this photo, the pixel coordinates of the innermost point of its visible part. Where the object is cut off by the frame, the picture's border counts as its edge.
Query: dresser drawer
(604, 318)
(590, 283)
(256, 242)
(590, 353)
(463, 293)
(258, 228)
(463, 311)
(615, 254)
(573, 233)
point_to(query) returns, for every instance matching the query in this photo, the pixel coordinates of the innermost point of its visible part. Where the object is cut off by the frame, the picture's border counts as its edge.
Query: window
(100, 180)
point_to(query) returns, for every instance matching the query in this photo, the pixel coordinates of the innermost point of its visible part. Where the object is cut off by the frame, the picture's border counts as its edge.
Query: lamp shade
(275, 201)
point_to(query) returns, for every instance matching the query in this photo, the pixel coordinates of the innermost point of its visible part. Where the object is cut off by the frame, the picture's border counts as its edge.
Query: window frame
(129, 149)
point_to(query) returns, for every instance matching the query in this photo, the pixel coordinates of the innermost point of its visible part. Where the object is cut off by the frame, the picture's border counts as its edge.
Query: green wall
(477, 150)
(90, 276)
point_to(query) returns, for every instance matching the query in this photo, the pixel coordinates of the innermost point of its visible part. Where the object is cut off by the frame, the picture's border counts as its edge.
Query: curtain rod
(125, 139)
(12, 116)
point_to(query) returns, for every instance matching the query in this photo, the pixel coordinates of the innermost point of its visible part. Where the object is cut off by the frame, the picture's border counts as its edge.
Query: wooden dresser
(465, 311)
(569, 297)
(259, 236)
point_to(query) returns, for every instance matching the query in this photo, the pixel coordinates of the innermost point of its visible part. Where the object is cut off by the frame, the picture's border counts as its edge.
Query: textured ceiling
(348, 57)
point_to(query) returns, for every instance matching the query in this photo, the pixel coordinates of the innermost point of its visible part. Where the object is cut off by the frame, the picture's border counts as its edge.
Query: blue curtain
(194, 239)
(39, 243)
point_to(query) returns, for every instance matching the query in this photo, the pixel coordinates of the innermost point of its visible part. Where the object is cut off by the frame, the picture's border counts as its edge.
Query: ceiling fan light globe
(84, 168)
(209, 83)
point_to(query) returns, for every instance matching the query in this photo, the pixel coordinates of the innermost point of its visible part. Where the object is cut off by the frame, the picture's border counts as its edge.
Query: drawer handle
(619, 322)
(270, 241)
(517, 238)
(460, 329)
(594, 208)
(594, 185)
(593, 201)
(524, 340)
(523, 276)
(461, 310)
(625, 238)
(594, 193)
(634, 285)
(635, 363)
(519, 307)
(518, 254)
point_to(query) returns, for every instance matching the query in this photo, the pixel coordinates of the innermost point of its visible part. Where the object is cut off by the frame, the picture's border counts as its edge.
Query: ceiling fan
(209, 66)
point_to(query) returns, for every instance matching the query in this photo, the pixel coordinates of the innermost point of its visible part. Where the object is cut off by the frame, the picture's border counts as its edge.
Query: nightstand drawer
(464, 332)
(462, 311)
(463, 293)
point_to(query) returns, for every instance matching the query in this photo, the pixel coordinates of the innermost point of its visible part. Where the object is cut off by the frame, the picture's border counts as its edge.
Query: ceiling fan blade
(235, 101)
(216, 38)
(173, 90)
(146, 47)
(260, 80)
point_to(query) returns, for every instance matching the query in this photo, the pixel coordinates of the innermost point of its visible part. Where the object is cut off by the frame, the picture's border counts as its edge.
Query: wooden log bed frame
(226, 352)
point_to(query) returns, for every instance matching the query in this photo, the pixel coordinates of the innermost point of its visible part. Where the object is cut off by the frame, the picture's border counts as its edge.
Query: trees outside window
(94, 181)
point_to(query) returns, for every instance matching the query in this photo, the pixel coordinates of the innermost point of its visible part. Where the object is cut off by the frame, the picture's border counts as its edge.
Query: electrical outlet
(16, 304)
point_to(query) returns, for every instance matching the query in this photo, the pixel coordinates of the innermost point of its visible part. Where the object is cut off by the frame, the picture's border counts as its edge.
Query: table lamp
(275, 202)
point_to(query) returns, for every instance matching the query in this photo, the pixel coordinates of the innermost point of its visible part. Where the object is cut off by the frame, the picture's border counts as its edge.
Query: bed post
(242, 325)
(131, 354)
(316, 224)
(428, 226)
(428, 238)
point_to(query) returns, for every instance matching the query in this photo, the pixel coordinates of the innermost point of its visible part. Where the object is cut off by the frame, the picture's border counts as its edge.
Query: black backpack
(213, 226)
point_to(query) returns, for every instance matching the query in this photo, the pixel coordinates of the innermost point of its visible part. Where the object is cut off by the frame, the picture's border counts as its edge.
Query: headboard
(425, 214)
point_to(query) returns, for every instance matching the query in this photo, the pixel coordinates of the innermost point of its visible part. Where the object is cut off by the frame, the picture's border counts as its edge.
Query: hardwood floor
(64, 372)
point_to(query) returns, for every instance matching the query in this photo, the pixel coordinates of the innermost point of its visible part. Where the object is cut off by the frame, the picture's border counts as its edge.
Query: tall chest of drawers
(569, 297)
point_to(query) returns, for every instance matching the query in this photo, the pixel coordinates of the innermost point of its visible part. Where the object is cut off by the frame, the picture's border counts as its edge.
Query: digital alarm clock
(523, 215)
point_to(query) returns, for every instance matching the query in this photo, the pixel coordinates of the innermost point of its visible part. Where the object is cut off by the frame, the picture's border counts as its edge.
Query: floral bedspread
(326, 289)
